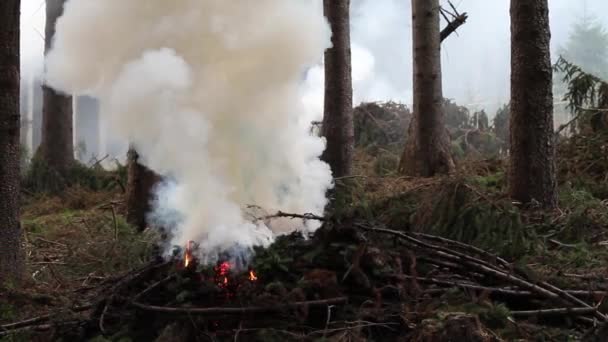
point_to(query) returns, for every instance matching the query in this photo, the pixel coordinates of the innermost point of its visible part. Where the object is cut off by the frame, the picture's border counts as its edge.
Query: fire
(188, 254)
(252, 276)
(221, 274)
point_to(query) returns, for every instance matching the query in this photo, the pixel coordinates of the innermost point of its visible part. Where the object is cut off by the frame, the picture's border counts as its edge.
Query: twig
(466, 286)
(544, 289)
(504, 291)
(115, 223)
(553, 312)
(41, 319)
(329, 307)
(465, 246)
(153, 286)
(239, 310)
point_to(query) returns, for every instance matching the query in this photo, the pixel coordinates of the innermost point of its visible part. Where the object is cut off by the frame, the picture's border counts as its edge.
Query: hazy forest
(304, 170)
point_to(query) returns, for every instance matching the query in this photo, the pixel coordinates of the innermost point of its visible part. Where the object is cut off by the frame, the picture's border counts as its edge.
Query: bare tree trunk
(11, 254)
(427, 150)
(532, 168)
(57, 145)
(338, 127)
(139, 190)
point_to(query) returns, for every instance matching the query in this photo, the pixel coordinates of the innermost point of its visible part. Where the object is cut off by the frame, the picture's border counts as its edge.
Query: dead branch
(41, 319)
(465, 246)
(457, 21)
(553, 312)
(239, 310)
(509, 292)
(300, 216)
(543, 289)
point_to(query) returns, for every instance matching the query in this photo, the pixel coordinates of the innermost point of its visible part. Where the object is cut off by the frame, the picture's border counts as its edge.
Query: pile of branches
(352, 280)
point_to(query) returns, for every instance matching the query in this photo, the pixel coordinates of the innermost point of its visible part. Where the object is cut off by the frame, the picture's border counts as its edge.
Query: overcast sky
(475, 62)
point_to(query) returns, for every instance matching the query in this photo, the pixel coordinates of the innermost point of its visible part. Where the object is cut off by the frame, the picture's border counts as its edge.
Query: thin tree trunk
(11, 254)
(532, 168)
(338, 127)
(141, 182)
(427, 151)
(57, 145)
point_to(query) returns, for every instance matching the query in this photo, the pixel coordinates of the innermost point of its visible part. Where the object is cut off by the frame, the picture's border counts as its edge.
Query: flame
(188, 254)
(252, 276)
(221, 272)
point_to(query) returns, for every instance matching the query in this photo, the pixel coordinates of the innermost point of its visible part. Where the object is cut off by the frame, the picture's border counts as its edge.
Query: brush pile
(352, 281)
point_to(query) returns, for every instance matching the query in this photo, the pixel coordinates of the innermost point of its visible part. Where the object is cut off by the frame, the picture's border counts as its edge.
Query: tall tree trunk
(141, 182)
(338, 127)
(532, 168)
(427, 150)
(57, 145)
(86, 126)
(11, 255)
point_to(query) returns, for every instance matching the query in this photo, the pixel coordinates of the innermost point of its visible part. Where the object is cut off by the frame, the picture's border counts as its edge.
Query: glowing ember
(221, 274)
(188, 254)
(252, 276)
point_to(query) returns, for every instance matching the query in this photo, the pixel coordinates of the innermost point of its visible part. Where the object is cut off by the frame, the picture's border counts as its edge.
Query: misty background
(475, 62)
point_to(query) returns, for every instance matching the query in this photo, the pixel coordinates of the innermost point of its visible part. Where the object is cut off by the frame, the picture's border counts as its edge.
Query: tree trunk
(141, 182)
(427, 150)
(57, 145)
(11, 254)
(532, 168)
(338, 127)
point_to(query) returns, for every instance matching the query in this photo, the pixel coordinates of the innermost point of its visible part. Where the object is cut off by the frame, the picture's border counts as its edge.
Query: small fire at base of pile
(224, 275)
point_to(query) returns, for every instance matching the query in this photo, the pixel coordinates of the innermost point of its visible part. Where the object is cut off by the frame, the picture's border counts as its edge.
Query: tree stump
(141, 182)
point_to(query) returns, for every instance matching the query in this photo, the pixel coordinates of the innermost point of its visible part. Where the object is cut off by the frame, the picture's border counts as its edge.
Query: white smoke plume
(209, 93)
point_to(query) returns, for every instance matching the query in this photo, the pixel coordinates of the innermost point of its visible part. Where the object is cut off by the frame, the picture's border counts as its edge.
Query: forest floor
(397, 259)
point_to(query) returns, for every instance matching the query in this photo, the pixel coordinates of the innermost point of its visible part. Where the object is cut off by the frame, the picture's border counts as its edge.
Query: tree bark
(338, 127)
(11, 254)
(532, 163)
(57, 145)
(427, 151)
(141, 182)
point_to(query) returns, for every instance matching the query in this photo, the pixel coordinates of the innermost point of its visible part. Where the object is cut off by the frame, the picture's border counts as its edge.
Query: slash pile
(352, 281)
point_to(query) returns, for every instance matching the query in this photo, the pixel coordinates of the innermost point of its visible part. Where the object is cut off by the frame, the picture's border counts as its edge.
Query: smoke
(208, 91)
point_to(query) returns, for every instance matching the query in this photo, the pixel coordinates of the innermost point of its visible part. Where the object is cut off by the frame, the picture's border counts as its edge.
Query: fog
(475, 60)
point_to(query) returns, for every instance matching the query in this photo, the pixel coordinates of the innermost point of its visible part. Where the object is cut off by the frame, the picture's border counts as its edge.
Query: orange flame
(252, 276)
(188, 254)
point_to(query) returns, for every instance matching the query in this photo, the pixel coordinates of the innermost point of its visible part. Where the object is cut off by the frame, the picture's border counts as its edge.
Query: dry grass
(73, 243)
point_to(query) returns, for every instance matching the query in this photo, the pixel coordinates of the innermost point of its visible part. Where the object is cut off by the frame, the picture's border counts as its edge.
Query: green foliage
(40, 178)
(456, 117)
(381, 125)
(586, 93)
(458, 211)
(493, 181)
(481, 120)
(501, 125)
(274, 261)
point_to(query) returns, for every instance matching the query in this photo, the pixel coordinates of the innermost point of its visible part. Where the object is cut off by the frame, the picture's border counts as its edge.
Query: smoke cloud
(209, 93)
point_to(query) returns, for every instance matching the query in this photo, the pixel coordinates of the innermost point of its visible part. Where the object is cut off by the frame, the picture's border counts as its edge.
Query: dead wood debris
(347, 272)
